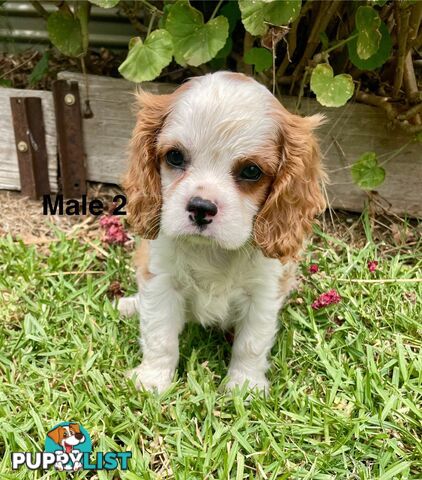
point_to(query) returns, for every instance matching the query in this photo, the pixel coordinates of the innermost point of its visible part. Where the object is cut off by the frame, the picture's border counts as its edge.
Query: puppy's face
(215, 160)
(221, 161)
(67, 436)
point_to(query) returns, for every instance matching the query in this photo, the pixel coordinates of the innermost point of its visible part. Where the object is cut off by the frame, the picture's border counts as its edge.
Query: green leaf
(225, 51)
(282, 13)
(64, 31)
(324, 40)
(6, 83)
(195, 42)
(331, 91)
(40, 69)
(376, 60)
(367, 173)
(418, 137)
(145, 60)
(260, 57)
(369, 36)
(105, 3)
(256, 14)
(231, 11)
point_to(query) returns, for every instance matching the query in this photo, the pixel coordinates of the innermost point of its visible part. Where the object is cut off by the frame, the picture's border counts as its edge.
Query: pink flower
(328, 298)
(313, 268)
(372, 265)
(114, 231)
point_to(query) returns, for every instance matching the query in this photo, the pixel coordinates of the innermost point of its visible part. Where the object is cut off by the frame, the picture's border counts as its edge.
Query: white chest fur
(214, 282)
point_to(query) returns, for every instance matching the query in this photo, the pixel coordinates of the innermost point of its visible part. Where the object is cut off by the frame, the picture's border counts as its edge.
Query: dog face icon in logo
(69, 441)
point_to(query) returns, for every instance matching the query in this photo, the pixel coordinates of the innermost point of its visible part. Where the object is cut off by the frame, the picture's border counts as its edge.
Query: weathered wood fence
(349, 132)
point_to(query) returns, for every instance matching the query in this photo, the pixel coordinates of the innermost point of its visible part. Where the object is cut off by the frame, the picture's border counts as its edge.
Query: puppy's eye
(251, 173)
(65, 434)
(175, 159)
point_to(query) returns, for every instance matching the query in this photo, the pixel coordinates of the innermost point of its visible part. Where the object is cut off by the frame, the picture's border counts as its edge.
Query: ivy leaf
(64, 31)
(369, 37)
(5, 83)
(257, 13)
(376, 60)
(145, 60)
(260, 57)
(195, 42)
(40, 69)
(105, 3)
(367, 173)
(331, 91)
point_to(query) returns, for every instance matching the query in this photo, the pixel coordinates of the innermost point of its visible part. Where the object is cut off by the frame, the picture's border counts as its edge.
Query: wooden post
(70, 138)
(28, 125)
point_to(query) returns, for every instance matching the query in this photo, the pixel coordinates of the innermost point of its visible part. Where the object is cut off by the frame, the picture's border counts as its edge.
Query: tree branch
(133, 19)
(376, 101)
(292, 40)
(40, 9)
(325, 14)
(402, 16)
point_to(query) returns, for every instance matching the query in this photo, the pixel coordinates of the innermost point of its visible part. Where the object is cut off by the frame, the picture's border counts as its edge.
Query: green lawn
(346, 393)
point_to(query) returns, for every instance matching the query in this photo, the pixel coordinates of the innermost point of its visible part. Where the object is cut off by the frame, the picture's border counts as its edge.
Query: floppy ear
(295, 197)
(75, 427)
(142, 181)
(56, 434)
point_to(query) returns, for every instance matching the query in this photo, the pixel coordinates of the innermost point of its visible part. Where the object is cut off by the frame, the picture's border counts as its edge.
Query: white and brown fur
(238, 271)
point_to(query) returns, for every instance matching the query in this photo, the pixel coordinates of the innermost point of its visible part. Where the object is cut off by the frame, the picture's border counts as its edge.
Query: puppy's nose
(79, 435)
(201, 210)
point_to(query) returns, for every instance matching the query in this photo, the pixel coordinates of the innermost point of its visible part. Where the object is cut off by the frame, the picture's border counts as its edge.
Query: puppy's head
(220, 160)
(67, 436)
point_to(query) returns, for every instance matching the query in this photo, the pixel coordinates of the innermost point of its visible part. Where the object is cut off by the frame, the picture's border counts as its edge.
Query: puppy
(67, 437)
(223, 187)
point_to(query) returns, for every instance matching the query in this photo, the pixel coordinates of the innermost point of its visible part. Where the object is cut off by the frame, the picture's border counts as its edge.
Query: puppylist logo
(68, 447)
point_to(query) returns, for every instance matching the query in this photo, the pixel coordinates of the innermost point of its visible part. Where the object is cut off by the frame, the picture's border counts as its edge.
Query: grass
(346, 391)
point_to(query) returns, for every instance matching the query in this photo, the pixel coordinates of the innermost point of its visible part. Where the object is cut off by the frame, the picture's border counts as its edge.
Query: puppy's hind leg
(128, 306)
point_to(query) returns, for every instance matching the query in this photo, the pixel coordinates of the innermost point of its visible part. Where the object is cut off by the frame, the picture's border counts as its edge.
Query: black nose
(200, 209)
(79, 436)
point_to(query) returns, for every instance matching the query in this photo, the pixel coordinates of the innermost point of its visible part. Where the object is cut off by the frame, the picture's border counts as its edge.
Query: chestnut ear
(142, 181)
(56, 434)
(295, 197)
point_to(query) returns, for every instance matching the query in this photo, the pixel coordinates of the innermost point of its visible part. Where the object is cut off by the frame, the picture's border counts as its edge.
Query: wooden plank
(70, 141)
(28, 125)
(9, 170)
(349, 132)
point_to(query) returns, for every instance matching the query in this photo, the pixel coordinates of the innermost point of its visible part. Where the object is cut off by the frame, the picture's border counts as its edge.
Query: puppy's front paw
(128, 306)
(150, 378)
(237, 378)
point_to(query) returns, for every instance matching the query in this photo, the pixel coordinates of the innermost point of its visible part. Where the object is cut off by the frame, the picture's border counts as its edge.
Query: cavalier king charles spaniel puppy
(223, 187)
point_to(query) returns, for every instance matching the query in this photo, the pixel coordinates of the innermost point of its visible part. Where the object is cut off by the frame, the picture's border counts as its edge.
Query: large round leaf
(195, 42)
(331, 91)
(260, 57)
(145, 60)
(105, 3)
(369, 36)
(367, 173)
(64, 31)
(376, 60)
(256, 14)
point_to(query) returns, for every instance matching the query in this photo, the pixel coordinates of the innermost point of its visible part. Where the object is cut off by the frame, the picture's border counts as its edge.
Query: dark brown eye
(175, 159)
(251, 173)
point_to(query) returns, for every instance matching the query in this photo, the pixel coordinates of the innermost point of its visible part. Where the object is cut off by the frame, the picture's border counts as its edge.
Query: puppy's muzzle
(201, 211)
